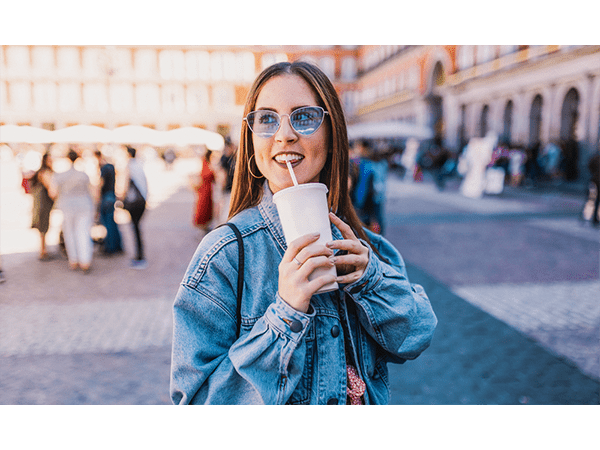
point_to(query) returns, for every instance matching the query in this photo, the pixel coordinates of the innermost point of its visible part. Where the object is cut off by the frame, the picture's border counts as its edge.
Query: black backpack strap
(240, 280)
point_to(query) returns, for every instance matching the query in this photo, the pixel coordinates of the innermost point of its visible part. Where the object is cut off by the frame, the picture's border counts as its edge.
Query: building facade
(524, 94)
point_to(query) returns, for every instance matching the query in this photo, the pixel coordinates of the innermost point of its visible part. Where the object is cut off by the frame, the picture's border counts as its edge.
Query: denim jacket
(284, 356)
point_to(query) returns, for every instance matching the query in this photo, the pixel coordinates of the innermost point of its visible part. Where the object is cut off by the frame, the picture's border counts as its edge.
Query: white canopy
(129, 134)
(26, 134)
(389, 129)
(83, 134)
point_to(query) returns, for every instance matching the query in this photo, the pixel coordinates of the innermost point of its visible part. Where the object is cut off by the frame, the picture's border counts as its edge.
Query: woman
(203, 213)
(42, 201)
(294, 347)
(135, 203)
(74, 198)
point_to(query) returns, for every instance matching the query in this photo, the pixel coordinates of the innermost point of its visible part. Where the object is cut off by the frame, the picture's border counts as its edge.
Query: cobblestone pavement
(512, 279)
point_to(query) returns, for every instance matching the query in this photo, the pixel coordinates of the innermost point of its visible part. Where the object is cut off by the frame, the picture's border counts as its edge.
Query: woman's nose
(286, 133)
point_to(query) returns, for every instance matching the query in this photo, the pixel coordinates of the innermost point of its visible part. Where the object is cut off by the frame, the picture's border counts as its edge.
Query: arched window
(508, 113)
(535, 120)
(569, 115)
(483, 123)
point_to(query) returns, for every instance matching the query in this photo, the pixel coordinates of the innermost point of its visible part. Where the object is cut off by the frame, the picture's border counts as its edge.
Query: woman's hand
(301, 258)
(352, 265)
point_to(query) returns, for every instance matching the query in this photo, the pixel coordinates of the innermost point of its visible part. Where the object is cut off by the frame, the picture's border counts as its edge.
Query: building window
(173, 99)
(43, 60)
(93, 66)
(67, 61)
(246, 66)
(196, 99)
(123, 61)
(485, 53)
(273, 58)
(483, 124)
(17, 60)
(508, 113)
(147, 98)
(327, 65)
(216, 66)
(20, 95)
(465, 57)
(172, 65)
(145, 63)
(535, 119)
(229, 66)
(197, 65)
(95, 97)
(44, 96)
(348, 69)
(69, 97)
(121, 97)
(224, 97)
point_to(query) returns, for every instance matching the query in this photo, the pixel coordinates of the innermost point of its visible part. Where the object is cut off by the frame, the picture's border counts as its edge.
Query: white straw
(289, 166)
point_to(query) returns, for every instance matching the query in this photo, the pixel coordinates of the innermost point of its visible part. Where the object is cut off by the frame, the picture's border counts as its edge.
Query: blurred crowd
(93, 183)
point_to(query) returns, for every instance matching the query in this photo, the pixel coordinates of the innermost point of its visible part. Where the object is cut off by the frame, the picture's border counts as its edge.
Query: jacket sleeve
(210, 365)
(395, 312)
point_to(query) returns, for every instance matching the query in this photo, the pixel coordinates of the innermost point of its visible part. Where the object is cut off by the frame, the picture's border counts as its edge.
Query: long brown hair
(248, 182)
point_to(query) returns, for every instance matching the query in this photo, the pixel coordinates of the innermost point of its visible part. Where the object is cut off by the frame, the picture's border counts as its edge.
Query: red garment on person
(204, 205)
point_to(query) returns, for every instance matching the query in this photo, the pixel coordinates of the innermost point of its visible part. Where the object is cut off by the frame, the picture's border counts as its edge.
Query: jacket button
(296, 326)
(332, 401)
(335, 331)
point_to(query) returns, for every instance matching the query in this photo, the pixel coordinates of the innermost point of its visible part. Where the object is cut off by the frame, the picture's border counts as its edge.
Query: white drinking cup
(303, 210)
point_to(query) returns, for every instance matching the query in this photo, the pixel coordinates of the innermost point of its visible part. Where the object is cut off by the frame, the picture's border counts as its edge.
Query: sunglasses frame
(281, 116)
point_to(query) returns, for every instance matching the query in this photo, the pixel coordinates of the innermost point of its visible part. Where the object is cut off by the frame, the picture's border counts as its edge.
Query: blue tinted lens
(263, 122)
(307, 120)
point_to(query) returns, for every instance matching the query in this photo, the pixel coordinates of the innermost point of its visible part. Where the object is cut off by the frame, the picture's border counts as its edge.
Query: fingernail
(329, 244)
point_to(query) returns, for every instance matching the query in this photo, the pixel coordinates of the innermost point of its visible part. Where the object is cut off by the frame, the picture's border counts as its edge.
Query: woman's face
(284, 94)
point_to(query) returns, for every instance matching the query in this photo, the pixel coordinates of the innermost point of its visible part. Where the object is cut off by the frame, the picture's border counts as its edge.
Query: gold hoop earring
(250, 169)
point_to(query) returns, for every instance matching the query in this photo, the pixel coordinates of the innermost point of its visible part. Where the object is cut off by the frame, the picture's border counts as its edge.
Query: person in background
(112, 244)
(594, 168)
(363, 192)
(135, 203)
(294, 346)
(203, 186)
(227, 168)
(73, 191)
(39, 185)
(380, 167)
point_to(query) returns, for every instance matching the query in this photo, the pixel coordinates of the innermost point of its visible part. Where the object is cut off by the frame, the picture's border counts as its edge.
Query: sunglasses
(304, 121)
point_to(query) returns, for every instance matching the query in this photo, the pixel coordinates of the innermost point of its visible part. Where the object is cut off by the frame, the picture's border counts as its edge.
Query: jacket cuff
(287, 320)
(370, 277)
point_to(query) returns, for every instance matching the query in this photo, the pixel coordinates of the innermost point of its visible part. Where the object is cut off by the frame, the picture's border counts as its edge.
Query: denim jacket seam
(194, 278)
(212, 299)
